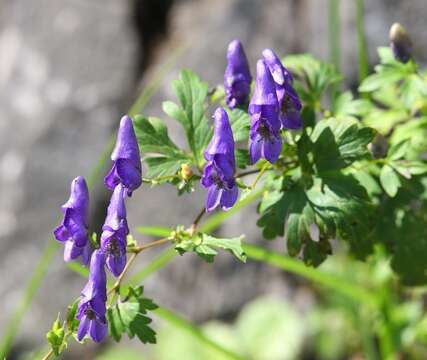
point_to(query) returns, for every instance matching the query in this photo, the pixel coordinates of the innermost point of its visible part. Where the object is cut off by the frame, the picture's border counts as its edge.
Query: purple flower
(218, 175)
(237, 77)
(114, 232)
(126, 169)
(264, 140)
(73, 231)
(401, 43)
(91, 309)
(287, 97)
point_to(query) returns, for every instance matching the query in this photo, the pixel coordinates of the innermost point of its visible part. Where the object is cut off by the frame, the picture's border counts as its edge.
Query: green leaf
(316, 75)
(242, 158)
(414, 92)
(384, 120)
(290, 208)
(240, 124)
(206, 246)
(389, 180)
(342, 204)
(56, 337)
(163, 166)
(385, 78)
(153, 138)
(339, 142)
(345, 105)
(398, 150)
(129, 317)
(191, 93)
(71, 321)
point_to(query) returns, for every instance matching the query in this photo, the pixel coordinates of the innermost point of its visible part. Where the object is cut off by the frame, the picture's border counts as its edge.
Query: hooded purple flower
(237, 77)
(73, 231)
(91, 309)
(264, 140)
(287, 97)
(115, 230)
(218, 175)
(126, 169)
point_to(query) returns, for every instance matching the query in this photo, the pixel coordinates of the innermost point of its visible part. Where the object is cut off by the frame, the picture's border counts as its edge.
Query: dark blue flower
(126, 169)
(237, 76)
(400, 43)
(91, 309)
(73, 231)
(265, 140)
(218, 175)
(287, 97)
(114, 232)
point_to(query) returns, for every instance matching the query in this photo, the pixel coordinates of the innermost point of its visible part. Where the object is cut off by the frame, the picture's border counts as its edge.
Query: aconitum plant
(330, 170)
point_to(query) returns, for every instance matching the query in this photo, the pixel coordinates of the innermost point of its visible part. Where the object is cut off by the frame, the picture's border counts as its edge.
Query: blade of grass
(297, 267)
(31, 289)
(334, 39)
(182, 324)
(363, 60)
(154, 230)
(52, 246)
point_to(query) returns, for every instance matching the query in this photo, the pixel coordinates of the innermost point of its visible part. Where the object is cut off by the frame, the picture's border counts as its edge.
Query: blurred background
(68, 70)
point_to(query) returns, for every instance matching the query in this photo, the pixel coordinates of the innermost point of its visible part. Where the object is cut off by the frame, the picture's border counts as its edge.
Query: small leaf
(242, 158)
(398, 150)
(387, 77)
(191, 93)
(72, 322)
(129, 317)
(163, 166)
(205, 246)
(339, 142)
(389, 180)
(345, 105)
(240, 124)
(56, 337)
(152, 135)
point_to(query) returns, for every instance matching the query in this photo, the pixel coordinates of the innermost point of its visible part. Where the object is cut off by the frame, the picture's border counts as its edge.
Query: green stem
(361, 40)
(182, 324)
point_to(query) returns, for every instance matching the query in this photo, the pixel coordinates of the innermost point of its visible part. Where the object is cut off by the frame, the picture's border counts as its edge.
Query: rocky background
(70, 68)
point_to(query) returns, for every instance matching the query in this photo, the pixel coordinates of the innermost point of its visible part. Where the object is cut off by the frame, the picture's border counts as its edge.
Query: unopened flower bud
(186, 172)
(400, 43)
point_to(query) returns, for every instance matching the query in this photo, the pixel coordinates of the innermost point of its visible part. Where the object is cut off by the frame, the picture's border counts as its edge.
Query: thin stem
(140, 248)
(135, 252)
(48, 355)
(198, 218)
(261, 173)
(116, 286)
(160, 178)
(246, 173)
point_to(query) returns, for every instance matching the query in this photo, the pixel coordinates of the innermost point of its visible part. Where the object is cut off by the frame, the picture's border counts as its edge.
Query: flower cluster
(274, 106)
(123, 179)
